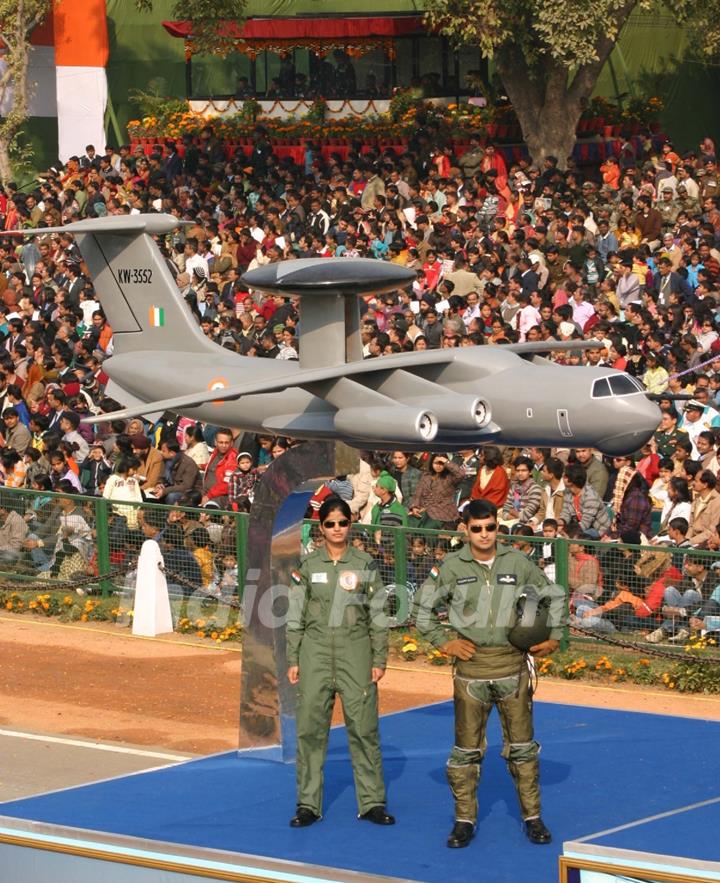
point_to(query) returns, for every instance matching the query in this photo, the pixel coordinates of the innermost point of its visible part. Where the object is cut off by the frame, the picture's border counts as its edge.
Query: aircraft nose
(637, 431)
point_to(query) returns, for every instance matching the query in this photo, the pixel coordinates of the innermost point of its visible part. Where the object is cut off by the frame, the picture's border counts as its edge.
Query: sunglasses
(479, 528)
(342, 523)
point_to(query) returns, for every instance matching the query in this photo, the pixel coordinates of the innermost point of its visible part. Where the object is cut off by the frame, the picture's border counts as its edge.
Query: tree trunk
(5, 166)
(552, 134)
(546, 109)
(548, 97)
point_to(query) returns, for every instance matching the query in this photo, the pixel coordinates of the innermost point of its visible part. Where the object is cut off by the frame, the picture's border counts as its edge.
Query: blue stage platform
(600, 770)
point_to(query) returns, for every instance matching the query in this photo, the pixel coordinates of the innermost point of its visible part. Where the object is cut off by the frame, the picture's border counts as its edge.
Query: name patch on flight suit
(319, 577)
(348, 580)
(507, 579)
(465, 579)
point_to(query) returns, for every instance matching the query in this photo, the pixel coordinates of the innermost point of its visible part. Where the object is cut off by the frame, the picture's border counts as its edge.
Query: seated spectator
(69, 422)
(659, 487)
(707, 617)
(180, 563)
(74, 542)
(195, 446)
(553, 488)
(585, 580)
(635, 510)
(595, 470)
(42, 519)
(226, 580)
(13, 529)
(677, 531)
(677, 505)
(36, 464)
(123, 487)
(220, 467)
(525, 496)
(638, 596)
(241, 487)
(519, 534)
(679, 601)
(95, 470)
(61, 471)
(705, 509)
(17, 436)
(492, 481)
(12, 468)
(546, 561)
(180, 474)
(200, 547)
(420, 561)
(152, 464)
(582, 504)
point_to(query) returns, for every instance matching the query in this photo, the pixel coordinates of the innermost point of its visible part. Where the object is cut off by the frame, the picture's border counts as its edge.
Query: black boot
(378, 816)
(303, 817)
(537, 832)
(461, 835)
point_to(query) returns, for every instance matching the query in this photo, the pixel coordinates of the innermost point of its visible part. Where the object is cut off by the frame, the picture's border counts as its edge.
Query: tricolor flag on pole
(157, 317)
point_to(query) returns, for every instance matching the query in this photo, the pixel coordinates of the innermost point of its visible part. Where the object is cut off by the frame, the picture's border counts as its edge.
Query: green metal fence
(91, 544)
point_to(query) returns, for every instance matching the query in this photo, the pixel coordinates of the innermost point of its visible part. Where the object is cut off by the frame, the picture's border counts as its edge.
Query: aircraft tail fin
(134, 284)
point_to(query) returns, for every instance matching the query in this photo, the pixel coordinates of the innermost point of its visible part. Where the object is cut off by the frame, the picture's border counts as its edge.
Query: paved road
(31, 763)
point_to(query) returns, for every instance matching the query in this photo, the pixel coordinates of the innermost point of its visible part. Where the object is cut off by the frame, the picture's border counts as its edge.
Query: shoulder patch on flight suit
(319, 577)
(507, 579)
(434, 572)
(295, 577)
(460, 581)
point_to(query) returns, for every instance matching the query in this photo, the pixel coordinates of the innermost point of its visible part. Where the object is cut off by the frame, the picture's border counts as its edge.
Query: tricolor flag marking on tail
(157, 317)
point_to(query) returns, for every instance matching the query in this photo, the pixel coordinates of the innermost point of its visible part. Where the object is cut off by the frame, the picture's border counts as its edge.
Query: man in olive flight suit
(481, 585)
(337, 643)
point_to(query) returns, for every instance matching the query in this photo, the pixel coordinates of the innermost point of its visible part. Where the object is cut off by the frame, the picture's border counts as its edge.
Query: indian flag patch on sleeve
(295, 577)
(435, 572)
(157, 317)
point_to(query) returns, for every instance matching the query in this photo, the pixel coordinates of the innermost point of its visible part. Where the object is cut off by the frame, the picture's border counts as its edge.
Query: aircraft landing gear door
(563, 419)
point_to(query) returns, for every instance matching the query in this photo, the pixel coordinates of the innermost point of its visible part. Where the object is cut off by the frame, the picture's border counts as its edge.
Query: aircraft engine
(385, 423)
(456, 412)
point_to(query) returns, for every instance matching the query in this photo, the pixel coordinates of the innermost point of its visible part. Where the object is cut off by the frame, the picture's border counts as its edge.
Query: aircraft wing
(155, 225)
(306, 377)
(547, 346)
(298, 377)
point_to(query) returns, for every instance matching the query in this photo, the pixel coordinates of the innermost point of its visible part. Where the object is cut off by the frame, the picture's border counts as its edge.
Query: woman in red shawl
(492, 482)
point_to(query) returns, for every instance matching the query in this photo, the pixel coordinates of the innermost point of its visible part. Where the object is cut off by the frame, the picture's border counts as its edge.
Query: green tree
(549, 53)
(207, 17)
(18, 18)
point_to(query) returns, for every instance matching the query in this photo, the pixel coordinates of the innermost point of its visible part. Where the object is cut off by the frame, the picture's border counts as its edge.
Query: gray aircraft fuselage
(447, 399)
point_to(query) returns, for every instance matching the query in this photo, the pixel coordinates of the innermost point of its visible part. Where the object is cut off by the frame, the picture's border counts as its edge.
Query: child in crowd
(547, 561)
(200, 546)
(241, 487)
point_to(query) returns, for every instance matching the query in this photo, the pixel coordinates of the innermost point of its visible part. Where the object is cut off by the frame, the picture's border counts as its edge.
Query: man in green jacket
(337, 643)
(481, 585)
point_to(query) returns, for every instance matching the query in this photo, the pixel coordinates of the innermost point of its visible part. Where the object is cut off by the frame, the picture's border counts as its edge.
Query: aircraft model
(445, 399)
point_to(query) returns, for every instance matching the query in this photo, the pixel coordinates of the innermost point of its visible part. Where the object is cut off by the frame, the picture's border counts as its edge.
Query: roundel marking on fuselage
(215, 384)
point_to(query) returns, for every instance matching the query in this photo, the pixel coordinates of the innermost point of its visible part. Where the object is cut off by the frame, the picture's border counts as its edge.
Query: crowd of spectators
(626, 254)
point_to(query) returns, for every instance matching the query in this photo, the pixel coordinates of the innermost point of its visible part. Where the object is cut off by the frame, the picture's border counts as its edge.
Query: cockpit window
(601, 388)
(622, 386)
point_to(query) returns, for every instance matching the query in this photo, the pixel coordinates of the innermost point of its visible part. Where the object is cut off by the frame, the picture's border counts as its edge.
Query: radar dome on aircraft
(351, 275)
